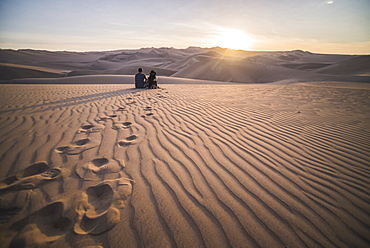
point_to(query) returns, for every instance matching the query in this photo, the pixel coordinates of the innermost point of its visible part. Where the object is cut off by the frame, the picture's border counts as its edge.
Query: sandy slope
(185, 166)
(354, 66)
(194, 63)
(109, 79)
(11, 71)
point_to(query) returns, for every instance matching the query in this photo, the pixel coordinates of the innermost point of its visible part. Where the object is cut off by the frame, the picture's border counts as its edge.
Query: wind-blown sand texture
(188, 165)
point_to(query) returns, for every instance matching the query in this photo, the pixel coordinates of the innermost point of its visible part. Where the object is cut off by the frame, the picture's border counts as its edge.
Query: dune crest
(215, 64)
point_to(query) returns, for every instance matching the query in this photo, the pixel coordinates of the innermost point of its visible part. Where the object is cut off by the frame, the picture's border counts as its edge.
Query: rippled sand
(185, 166)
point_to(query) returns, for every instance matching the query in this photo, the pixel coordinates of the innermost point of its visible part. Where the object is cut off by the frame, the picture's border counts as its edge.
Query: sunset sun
(233, 39)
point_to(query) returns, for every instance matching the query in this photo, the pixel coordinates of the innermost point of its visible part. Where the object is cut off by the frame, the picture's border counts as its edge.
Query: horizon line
(171, 47)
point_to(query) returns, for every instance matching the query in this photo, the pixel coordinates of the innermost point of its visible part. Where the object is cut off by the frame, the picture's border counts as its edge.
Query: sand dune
(185, 166)
(353, 66)
(11, 71)
(108, 79)
(214, 64)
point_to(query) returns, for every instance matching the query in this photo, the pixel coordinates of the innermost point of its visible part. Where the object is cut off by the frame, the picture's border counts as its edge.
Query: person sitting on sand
(152, 80)
(140, 79)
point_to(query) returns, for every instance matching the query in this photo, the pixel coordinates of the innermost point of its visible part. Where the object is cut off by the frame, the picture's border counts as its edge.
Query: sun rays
(233, 39)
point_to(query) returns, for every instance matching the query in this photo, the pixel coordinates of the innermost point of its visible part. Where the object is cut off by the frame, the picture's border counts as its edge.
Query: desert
(235, 149)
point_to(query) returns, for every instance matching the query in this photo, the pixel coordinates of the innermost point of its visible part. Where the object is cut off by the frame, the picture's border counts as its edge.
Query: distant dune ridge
(195, 63)
(236, 149)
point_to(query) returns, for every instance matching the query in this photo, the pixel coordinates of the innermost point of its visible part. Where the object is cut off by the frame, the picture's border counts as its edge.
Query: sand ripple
(185, 166)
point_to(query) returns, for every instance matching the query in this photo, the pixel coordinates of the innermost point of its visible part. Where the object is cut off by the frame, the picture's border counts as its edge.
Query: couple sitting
(142, 82)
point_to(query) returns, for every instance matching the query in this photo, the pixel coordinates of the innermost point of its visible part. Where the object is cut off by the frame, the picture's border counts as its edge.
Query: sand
(215, 64)
(236, 149)
(188, 165)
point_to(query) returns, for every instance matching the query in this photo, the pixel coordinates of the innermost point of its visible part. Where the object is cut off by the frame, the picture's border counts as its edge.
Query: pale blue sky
(326, 26)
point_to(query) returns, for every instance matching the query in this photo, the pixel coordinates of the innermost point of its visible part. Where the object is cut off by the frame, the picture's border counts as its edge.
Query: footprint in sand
(89, 128)
(99, 207)
(86, 127)
(7, 213)
(31, 170)
(33, 176)
(126, 124)
(100, 197)
(109, 117)
(132, 137)
(128, 141)
(11, 203)
(97, 168)
(76, 147)
(18, 188)
(123, 125)
(40, 228)
(147, 115)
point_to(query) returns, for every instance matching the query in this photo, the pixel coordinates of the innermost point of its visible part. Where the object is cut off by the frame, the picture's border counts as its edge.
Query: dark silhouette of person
(152, 80)
(140, 79)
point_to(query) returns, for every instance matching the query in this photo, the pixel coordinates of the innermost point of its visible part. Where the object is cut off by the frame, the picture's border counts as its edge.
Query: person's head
(140, 69)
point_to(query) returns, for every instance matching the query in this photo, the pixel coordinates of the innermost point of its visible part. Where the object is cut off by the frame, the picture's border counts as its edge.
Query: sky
(321, 26)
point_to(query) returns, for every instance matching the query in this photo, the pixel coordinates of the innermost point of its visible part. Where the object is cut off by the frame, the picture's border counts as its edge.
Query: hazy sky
(325, 26)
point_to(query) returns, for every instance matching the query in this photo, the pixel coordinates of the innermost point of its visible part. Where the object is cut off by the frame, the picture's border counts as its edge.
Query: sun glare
(233, 39)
